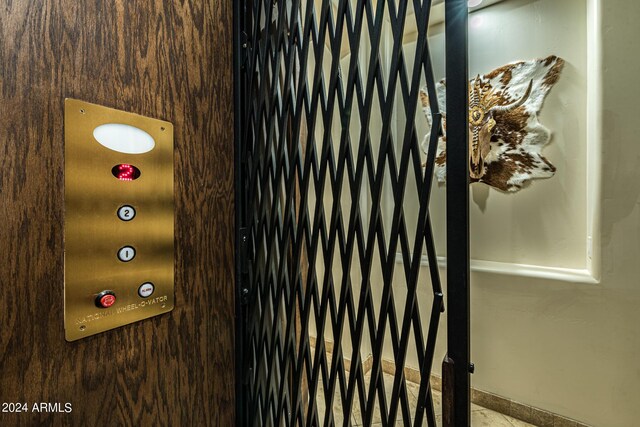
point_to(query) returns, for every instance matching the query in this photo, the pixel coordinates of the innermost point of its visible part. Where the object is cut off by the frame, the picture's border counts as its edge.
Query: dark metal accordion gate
(334, 298)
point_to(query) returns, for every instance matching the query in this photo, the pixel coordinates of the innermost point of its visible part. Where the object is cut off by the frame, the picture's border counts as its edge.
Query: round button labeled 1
(126, 212)
(126, 253)
(146, 289)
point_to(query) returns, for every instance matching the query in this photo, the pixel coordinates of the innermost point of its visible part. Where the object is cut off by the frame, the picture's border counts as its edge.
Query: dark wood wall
(166, 59)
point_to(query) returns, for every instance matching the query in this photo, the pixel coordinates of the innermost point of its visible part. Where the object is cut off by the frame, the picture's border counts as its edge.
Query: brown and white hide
(505, 137)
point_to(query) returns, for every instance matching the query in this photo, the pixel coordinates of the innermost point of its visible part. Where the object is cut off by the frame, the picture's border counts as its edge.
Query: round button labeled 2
(126, 212)
(126, 253)
(146, 289)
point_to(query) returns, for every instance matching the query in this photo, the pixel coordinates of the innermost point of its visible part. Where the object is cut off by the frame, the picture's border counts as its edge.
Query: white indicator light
(124, 138)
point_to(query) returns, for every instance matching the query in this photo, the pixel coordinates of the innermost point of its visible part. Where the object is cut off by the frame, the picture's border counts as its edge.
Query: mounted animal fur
(505, 137)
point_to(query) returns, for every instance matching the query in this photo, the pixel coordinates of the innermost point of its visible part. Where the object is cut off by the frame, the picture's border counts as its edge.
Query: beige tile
(438, 419)
(489, 419)
(541, 418)
(494, 416)
(336, 410)
(388, 384)
(398, 423)
(355, 422)
(413, 390)
(520, 411)
(413, 404)
(412, 397)
(563, 422)
(475, 407)
(518, 423)
(388, 387)
(357, 414)
(437, 401)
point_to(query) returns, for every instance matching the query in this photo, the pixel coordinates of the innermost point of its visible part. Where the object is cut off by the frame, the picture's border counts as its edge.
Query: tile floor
(480, 417)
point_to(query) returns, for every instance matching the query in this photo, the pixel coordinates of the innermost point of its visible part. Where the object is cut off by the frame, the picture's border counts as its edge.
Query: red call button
(105, 299)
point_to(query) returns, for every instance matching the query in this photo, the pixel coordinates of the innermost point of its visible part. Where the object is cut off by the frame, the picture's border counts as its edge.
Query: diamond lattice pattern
(330, 155)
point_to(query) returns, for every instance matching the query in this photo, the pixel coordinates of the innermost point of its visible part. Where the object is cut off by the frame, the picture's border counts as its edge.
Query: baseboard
(530, 414)
(366, 364)
(527, 413)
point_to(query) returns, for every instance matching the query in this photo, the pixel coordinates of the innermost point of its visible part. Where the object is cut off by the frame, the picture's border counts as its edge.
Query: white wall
(546, 224)
(574, 348)
(570, 348)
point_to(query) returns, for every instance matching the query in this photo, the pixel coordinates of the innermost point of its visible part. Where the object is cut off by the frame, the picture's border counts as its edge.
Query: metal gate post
(239, 56)
(457, 367)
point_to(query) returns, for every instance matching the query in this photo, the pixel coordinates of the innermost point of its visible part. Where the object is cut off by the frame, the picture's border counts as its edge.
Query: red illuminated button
(105, 299)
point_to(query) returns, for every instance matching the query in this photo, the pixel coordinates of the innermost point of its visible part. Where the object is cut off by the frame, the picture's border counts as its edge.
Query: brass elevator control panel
(119, 218)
